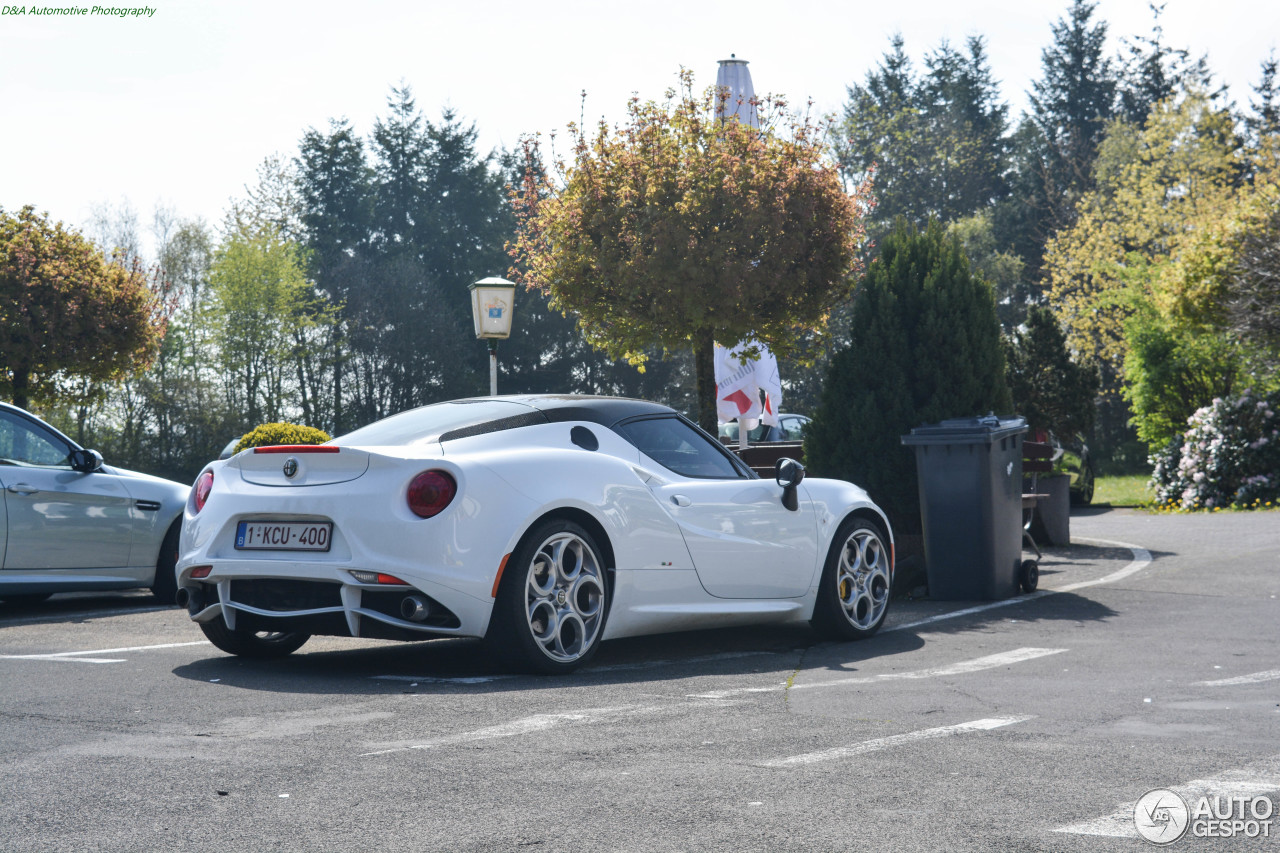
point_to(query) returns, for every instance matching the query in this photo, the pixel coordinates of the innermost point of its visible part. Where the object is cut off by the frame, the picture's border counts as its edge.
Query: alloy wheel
(564, 597)
(862, 579)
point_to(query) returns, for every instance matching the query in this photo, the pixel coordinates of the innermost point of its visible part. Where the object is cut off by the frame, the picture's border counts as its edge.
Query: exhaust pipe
(415, 608)
(193, 600)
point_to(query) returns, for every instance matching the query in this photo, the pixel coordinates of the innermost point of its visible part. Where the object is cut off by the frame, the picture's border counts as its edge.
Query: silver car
(69, 523)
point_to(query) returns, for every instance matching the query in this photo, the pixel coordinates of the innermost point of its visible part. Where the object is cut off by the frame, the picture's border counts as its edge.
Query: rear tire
(259, 645)
(551, 606)
(164, 586)
(853, 595)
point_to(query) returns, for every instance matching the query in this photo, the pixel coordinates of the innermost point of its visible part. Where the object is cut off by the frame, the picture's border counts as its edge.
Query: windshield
(429, 423)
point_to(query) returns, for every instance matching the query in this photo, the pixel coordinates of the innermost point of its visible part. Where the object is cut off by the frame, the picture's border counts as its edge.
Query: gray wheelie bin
(970, 476)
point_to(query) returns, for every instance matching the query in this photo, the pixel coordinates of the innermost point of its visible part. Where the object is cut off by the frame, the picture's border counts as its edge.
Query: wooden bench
(1037, 459)
(762, 458)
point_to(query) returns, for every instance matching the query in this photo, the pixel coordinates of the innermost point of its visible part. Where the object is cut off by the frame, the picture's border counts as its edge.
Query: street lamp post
(492, 300)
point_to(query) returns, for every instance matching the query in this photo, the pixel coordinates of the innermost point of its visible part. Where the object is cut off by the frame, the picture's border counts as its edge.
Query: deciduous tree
(266, 317)
(677, 229)
(1156, 188)
(65, 310)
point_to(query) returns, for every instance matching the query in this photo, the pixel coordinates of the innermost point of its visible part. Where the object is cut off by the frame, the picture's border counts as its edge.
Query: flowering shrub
(1229, 456)
(265, 435)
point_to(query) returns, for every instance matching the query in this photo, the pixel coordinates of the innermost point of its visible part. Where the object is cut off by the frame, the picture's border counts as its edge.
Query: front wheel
(551, 604)
(260, 645)
(853, 595)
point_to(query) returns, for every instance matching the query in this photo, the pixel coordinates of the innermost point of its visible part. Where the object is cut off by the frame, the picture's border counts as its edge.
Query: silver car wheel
(564, 597)
(862, 579)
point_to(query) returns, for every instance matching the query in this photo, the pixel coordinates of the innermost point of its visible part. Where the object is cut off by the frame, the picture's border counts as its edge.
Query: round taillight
(200, 493)
(430, 492)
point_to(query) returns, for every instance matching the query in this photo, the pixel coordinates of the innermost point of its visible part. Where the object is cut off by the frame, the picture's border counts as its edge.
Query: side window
(26, 444)
(675, 445)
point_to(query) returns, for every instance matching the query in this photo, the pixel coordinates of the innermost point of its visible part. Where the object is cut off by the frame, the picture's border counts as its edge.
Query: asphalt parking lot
(1147, 660)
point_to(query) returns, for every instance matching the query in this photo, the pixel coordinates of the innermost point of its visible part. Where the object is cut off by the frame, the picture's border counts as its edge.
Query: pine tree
(1263, 120)
(1071, 105)
(1055, 145)
(1153, 71)
(883, 134)
(926, 347)
(336, 195)
(1049, 388)
(935, 142)
(401, 150)
(966, 123)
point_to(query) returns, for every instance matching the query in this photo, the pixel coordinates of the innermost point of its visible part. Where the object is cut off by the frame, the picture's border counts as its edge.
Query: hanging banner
(739, 381)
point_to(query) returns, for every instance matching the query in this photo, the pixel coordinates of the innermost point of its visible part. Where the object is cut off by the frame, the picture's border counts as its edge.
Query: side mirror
(789, 473)
(86, 461)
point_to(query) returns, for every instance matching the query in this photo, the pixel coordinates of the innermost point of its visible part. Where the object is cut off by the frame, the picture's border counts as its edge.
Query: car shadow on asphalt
(467, 666)
(464, 666)
(452, 665)
(1058, 607)
(77, 607)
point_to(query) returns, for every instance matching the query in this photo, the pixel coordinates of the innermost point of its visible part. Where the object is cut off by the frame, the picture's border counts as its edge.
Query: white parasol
(739, 380)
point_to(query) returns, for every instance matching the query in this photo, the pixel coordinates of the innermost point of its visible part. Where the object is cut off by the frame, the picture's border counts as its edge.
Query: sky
(178, 108)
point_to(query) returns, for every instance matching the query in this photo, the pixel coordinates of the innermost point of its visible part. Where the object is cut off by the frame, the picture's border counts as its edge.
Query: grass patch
(1125, 490)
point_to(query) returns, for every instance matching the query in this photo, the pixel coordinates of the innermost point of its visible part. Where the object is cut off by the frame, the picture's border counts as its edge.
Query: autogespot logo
(1161, 816)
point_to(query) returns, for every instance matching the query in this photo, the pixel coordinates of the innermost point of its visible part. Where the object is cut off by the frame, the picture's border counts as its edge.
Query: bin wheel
(1029, 575)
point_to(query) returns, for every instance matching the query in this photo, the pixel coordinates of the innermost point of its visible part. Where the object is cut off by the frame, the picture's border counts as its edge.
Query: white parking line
(62, 659)
(976, 665)
(893, 740)
(535, 723)
(961, 668)
(1251, 781)
(1253, 678)
(80, 657)
(1141, 559)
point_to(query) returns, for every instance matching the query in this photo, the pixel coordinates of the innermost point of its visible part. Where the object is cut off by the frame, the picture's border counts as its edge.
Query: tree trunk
(704, 372)
(20, 387)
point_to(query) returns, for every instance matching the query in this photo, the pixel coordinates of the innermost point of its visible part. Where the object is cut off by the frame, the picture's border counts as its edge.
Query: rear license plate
(284, 535)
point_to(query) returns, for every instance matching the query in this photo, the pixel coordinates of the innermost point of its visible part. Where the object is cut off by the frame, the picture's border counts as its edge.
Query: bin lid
(983, 430)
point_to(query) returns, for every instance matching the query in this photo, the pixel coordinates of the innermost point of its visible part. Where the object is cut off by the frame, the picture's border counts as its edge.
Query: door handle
(680, 500)
(22, 489)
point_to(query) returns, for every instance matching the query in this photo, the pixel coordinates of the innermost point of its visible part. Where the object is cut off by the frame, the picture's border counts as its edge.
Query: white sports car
(69, 523)
(544, 524)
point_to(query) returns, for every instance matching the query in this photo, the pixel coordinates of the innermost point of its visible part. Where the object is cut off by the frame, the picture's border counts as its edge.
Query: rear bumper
(452, 558)
(324, 599)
